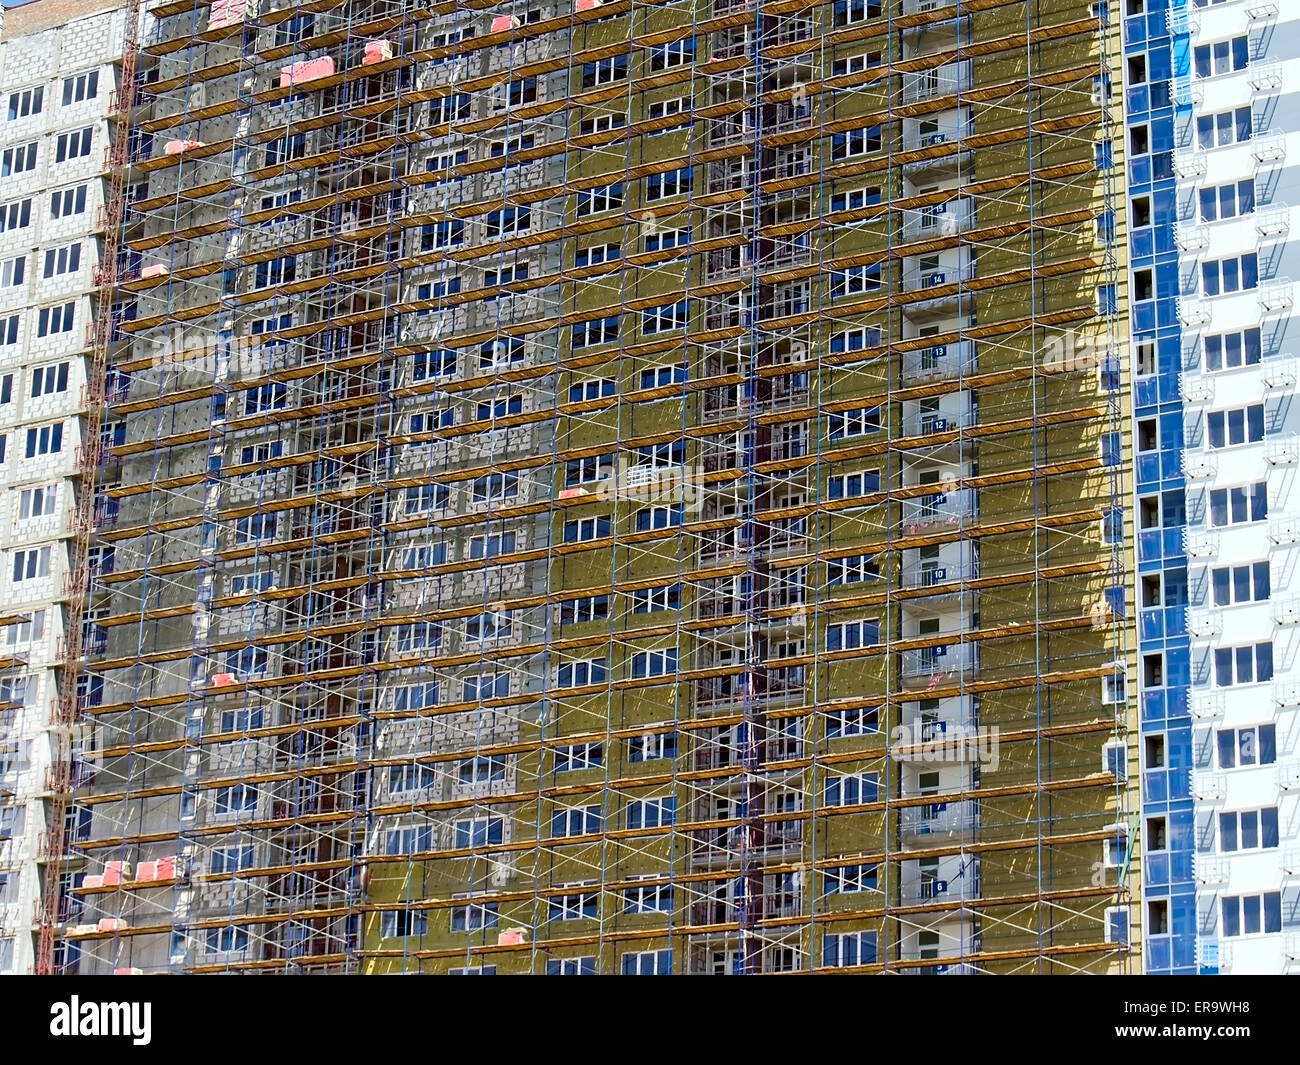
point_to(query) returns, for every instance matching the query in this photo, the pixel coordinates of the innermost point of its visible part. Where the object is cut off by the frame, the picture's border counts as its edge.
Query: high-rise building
(1218, 515)
(58, 65)
(609, 487)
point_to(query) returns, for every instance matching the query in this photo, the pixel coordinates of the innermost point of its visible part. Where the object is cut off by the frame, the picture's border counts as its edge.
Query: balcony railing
(946, 661)
(941, 362)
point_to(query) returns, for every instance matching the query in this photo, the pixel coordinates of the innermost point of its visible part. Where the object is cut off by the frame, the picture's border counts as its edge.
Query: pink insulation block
(307, 70)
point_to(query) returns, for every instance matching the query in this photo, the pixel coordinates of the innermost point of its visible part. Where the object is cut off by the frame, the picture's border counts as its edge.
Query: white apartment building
(58, 70)
(1235, 151)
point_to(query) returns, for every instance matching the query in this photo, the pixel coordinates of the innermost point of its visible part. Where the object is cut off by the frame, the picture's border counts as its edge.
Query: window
(8, 333)
(280, 271)
(1247, 915)
(410, 777)
(252, 582)
(18, 160)
(651, 813)
(13, 271)
(1229, 351)
(571, 966)
(1240, 584)
(241, 720)
(587, 470)
(851, 789)
(254, 528)
(668, 238)
(417, 636)
(1251, 664)
(652, 518)
(600, 388)
(598, 331)
(602, 124)
(481, 770)
(494, 487)
(80, 87)
(424, 498)
(593, 256)
(663, 319)
(507, 275)
(648, 963)
(430, 420)
(479, 832)
(1227, 201)
(851, 878)
(1222, 57)
(235, 799)
(53, 320)
(266, 397)
(578, 674)
(65, 260)
(846, 485)
(648, 898)
(393, 923)
(650, 600)
(26, 103)
(280, 201)
(73, 145)
(852, 569)
(490, 625)
(486, 686)
(414, 840)
(856, 142)
(660, 376)
(1228, 428)
(247, 661)
(652, 746)
(31, 564)
(575, 821)
(852, 634)
(578, 756)
(1227, 127)
(438, 235)
(654, 663)
(504, 351)
(855, 199)
(474, 916)
(18, 215)
(856, 280)
(507, 222)
(856, 422)
(668, 183)
(587, 608)
(604, 71)
(581, 530)
(416, 696)
(842, 949)
(1248, 830)
(856, 64)
(231, 859)
(47, 380)
(448, 109)
(673, 54)
(603, 198)
(1236, 506)
(847, 12)
(1243, 747)
(573, 907)
(492, 545)
(44, 440)
(225, 940)
(1225, 276)
(852, 721)
(427, 364)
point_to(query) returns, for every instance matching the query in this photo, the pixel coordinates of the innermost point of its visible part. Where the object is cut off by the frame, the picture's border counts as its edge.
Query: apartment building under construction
(610, 487)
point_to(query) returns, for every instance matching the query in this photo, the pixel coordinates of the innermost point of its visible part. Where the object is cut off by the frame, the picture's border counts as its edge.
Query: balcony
(962, 888)
(937, 81)
(937, 822)
(943, 146)
(943, 664)
(943, 509)
(942, 362)
(939, 220)
(928, 423)
(945, 576)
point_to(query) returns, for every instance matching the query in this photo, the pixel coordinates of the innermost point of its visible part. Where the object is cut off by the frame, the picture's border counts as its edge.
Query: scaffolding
(612, 487)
